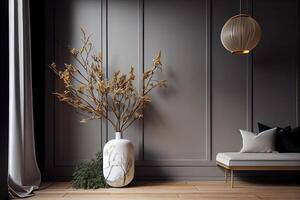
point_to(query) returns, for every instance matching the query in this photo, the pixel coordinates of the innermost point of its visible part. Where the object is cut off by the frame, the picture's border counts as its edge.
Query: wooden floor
(173, 191)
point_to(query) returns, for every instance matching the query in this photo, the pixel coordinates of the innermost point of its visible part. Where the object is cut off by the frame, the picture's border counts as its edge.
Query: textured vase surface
(118, 161)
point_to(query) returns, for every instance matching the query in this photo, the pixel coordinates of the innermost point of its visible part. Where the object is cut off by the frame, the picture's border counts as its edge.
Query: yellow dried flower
(156, 60)
(87, 89)
(74, 51)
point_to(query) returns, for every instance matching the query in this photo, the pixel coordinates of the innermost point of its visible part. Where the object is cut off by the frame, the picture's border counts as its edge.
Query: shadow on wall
(152, 114)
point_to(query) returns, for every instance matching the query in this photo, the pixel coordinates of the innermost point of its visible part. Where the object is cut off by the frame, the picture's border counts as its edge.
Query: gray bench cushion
(258, 159)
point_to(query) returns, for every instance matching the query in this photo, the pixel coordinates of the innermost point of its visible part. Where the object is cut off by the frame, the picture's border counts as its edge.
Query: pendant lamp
(240, 34)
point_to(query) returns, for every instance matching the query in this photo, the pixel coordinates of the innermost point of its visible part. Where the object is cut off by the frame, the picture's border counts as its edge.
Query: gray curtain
(23, 173)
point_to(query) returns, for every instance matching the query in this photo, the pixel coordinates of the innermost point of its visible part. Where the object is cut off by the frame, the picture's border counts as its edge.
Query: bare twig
(96, 96)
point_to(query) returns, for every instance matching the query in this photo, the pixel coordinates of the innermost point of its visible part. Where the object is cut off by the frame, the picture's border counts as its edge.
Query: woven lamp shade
(240, 34)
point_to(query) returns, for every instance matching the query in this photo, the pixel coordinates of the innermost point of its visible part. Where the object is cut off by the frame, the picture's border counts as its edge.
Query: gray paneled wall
(275, 70)
(211, 94)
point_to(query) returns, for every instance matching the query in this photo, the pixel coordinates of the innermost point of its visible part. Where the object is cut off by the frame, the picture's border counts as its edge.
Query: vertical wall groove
(104, 49)
(298, 69)
(249, 122)
(208, 81)
(53, 83)
(140, 69)
(49, 85)
(101, 49)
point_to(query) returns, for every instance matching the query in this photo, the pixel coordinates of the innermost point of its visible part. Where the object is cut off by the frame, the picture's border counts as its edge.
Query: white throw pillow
(264, 142)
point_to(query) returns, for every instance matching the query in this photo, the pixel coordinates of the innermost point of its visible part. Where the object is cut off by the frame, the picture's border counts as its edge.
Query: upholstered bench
(232, 161)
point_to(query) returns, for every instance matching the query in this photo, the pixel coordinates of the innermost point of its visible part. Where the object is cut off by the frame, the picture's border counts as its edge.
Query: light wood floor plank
(189, 190)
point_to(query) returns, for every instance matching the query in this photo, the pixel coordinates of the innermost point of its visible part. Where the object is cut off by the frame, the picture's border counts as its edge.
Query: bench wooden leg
(225, 171)
(232, 178)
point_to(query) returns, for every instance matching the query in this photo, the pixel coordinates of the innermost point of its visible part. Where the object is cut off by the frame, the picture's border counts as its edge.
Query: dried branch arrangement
(88, 90)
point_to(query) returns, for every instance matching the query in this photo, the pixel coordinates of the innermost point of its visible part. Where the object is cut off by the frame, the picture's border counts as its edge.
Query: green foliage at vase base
(89, 175)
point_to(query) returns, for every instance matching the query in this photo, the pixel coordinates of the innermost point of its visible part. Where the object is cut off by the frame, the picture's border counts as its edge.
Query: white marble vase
(118, 161)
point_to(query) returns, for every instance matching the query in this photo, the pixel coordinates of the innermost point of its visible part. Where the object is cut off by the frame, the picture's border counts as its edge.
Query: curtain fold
(23, 173)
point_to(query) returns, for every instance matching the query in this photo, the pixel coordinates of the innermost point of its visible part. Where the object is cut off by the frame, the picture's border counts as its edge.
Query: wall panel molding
(55, 45)
(205, 21)
(183, 162)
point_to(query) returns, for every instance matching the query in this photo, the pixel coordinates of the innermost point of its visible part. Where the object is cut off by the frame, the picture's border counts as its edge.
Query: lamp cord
(240, 6)
(247, 7)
